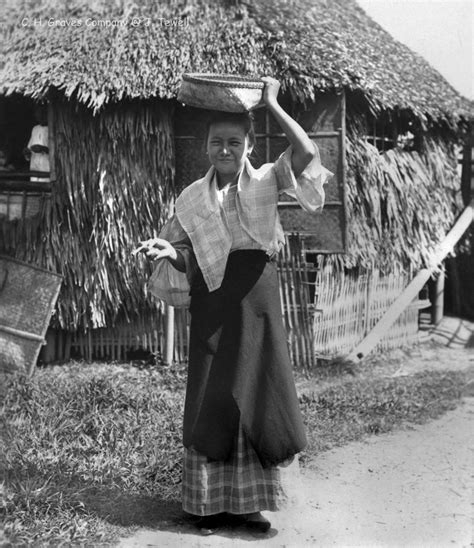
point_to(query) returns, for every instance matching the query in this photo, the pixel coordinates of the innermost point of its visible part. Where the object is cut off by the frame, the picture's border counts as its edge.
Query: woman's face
(227, 148)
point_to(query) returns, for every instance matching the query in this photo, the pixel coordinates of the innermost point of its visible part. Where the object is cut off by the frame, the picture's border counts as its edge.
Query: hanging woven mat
(224, 92)
(27, 298)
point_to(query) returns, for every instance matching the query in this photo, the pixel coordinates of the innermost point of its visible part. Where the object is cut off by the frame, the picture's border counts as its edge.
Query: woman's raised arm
(303, 147)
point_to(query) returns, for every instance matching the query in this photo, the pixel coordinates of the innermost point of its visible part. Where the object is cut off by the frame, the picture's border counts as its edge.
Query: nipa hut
(121, 148)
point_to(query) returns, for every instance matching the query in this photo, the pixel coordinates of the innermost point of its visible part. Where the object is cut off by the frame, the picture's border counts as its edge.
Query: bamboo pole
(301, 287)
(169, 335)
(59, 345)
(67, 346)
(412, 290)
(22, 334)
(89, 346)
(438, 305)
(286, 295)
(293, 304)
(368, 303)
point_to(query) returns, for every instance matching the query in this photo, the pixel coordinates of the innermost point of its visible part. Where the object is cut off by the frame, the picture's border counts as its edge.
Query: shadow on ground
(132, 510)
(155, 514)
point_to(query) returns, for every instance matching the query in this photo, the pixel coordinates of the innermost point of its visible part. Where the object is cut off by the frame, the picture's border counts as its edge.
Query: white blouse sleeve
(308, 188)
(167, 283)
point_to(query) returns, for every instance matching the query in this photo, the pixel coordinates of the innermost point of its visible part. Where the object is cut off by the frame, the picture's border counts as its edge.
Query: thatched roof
(310, 45)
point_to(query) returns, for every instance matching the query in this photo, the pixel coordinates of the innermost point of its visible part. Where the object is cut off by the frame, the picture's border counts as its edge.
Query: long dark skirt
(239, 367)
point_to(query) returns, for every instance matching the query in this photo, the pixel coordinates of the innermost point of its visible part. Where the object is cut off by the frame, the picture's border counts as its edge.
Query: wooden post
(59, 345)
(51, 143)
(48, 351)
(67, 346)
(168, 358)
(438, 305)
(89, 345)
(407, 296)
(454, 286)
(368, 303)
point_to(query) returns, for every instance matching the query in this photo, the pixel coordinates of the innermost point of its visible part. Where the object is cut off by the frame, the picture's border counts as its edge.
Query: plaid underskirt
(239, 485)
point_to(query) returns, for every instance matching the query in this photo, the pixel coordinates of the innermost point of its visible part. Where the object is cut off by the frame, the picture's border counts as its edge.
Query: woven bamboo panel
(27, 298)
(349, 306)
(295, 301)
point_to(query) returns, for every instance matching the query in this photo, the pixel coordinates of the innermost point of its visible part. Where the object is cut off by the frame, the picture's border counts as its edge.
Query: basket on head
(225, 92)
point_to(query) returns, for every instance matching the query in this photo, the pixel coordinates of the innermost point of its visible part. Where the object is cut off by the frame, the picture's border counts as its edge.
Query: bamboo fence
(350, 304)
(326, 311)
(295, 275)
(121, 341)
(127, 339)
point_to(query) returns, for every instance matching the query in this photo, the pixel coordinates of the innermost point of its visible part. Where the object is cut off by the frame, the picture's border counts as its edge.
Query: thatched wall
(400, 203)
(114, 183)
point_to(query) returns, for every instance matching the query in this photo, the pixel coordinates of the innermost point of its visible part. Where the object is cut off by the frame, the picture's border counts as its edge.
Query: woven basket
(27, 298)
(225, 92)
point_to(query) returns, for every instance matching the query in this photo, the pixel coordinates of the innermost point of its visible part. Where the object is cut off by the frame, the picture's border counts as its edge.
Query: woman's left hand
(156, 248)
(270, 92)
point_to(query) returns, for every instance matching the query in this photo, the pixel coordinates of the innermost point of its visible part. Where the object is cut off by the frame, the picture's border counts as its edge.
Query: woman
(242, 422)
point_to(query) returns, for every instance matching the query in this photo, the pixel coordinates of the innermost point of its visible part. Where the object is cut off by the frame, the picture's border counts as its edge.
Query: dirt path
(413, 487)
(410, 488)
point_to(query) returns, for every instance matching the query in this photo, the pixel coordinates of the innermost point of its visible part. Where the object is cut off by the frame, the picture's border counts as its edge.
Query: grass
(356, 408)
(89, 450)
(80, 437)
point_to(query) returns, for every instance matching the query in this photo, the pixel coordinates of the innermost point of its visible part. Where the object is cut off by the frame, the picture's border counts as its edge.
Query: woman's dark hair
(244, 119)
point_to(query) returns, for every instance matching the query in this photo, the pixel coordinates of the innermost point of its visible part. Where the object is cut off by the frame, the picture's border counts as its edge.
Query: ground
(412, 487)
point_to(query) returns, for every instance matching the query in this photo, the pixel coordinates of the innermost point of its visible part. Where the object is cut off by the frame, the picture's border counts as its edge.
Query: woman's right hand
(156, 249)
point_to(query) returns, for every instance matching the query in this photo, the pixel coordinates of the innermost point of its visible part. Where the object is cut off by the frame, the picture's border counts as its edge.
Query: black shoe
(208, 525)
(256, 522)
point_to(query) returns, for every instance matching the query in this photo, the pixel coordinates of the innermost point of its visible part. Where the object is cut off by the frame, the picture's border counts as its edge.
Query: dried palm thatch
(115, 174)
(400, 204)
(311, 45)
(114, 187)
